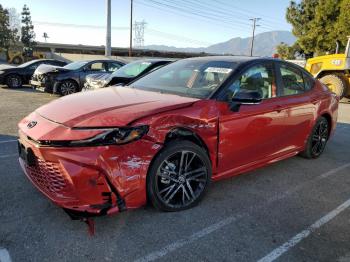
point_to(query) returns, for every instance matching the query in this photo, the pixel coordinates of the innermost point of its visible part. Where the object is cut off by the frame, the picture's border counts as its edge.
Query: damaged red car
(166, 136)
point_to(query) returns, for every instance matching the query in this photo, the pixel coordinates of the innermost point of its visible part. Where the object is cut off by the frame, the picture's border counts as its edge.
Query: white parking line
(4, 255)
(210, 229)
(9, 155)
(276, 253)
(8, 141)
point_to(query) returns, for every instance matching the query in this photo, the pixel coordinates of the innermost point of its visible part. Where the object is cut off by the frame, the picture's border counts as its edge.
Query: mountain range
(264, 45)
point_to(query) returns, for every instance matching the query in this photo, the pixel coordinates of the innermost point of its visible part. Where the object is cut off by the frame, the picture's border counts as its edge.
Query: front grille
(49, 178)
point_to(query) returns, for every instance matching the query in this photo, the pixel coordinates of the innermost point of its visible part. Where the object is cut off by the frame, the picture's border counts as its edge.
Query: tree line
(317, 24)
(12, 34)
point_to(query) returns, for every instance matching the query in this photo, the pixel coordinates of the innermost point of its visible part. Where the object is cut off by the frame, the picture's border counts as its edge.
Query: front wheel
(68, 87)
(179, 176)
(317, 140)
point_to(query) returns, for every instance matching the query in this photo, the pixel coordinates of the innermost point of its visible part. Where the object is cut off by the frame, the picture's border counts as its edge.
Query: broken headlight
(115, 136)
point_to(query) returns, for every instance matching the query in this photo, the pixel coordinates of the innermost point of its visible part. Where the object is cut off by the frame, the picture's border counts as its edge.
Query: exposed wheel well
(186, 134)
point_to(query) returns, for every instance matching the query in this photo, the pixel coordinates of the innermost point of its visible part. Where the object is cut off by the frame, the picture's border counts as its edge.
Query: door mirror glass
(247, 97)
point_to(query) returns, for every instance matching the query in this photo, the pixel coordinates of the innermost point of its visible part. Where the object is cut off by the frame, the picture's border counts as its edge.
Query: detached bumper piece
(81, 199)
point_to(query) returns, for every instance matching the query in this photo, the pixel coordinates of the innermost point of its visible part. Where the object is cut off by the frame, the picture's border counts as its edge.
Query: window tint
(97, 67)
(256, 79)
(292, 81)
(113, 67)
(309, 82)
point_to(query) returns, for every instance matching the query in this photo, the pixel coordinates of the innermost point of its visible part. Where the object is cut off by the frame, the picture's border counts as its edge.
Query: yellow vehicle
(18, 56)
(333, 71)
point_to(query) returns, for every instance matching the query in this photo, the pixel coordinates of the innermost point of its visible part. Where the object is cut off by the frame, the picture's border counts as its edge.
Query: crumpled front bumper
(94, 180)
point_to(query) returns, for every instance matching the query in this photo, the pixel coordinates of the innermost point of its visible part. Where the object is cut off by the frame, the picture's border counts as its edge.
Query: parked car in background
(166, 137)
(71, 78)
(16, 76)
(125, 74)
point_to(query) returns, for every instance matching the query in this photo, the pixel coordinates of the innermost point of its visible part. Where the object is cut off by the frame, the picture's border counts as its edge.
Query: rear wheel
(68, 87)
(179, 176)
(317, 140)
(14, 81)
(336, 83)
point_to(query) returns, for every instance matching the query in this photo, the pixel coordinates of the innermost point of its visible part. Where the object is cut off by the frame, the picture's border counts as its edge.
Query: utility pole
(45, 35)
(255, 19)
(131, 10)
(108, 32)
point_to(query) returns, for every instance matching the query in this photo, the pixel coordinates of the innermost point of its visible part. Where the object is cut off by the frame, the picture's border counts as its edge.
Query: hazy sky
(181, 23)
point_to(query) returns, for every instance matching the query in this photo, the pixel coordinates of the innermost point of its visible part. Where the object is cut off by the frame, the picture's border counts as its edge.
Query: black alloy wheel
(179, 176)
(317, 140)
(68, 87)
(14, 81)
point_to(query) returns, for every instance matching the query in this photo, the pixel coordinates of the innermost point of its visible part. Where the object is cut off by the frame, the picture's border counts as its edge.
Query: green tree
(289, 52)
(27, 30)
(7, 36)
(319, 23)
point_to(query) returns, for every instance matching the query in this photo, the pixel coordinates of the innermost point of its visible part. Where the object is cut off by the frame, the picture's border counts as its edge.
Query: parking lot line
(8, 141)
(276, 253)
(214, 227)
(4, 255)
(9, 155)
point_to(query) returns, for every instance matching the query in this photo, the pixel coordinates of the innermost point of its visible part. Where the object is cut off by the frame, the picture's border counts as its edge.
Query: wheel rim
(14, 81)
(180, 179)
(319, 138)
(67, 88)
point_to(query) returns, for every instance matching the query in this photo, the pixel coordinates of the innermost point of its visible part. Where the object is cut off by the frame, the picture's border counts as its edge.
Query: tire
(168, 188)
(317, 140)
(17, 60)
(13, 81)
(68, 87)
(336, 83)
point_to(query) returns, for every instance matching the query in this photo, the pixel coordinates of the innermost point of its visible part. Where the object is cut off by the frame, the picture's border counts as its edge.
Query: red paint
(237, 142)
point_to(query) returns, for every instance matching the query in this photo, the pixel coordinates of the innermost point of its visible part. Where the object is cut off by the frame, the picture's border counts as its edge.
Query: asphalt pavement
(293, 210)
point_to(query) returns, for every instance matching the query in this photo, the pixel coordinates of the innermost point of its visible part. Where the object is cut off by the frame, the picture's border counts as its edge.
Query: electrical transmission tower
(139, 32)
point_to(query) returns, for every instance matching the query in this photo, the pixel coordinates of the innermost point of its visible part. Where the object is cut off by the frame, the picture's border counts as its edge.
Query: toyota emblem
(32, 124)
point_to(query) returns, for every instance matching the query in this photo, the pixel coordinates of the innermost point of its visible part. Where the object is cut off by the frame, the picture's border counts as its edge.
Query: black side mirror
(245, 97)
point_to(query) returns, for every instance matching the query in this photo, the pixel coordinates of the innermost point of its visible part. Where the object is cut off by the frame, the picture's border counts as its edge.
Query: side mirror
(245, 98)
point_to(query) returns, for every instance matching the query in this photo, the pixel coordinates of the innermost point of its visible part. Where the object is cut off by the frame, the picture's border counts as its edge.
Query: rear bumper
(95, 180)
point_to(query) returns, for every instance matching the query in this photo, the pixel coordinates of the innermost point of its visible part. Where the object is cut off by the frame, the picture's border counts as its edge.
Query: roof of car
(234, 59)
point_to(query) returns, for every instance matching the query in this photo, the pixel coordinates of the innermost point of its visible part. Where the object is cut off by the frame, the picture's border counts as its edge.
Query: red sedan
(164, 137)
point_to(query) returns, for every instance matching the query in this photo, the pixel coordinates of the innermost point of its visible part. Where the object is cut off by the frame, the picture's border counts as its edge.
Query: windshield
(132, 69)
(193, 78)
(75, 65)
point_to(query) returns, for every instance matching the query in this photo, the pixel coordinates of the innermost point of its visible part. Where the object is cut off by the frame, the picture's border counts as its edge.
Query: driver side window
(259, 79)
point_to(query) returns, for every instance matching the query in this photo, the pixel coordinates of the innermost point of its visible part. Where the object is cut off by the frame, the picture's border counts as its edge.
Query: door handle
(278, 109)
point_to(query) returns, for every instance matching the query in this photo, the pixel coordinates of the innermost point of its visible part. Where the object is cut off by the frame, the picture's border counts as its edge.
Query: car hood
(43, 69)
(110, 107)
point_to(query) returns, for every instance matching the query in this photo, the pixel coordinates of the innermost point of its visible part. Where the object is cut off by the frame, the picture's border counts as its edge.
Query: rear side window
(292, 81)
(308, 81)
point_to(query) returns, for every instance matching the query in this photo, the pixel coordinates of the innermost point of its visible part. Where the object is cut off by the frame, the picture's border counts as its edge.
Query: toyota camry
(165, 137)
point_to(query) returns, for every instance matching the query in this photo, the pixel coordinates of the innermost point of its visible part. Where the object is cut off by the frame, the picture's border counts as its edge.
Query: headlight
(1, 72)
(116, 136)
